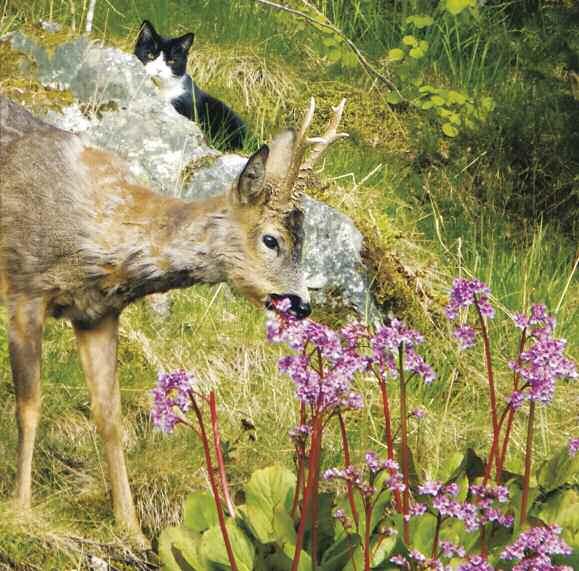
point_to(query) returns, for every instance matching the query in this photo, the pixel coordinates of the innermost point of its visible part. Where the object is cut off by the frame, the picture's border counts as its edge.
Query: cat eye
(271, 242)
(170, 61)
(151, 56)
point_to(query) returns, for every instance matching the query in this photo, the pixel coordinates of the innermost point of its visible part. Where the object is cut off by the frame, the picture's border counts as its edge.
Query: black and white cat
(165, 60)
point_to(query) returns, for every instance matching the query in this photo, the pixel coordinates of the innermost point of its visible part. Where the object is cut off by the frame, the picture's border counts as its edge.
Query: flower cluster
(469, 292)
(538, 323)
(463, 294)
(476, 563)
(171, 395)
(355, 476)
(324, 364)
(544, 362)
(473, 514)
(466, 336)
(416, 559)
(386, 344)
(533, 548)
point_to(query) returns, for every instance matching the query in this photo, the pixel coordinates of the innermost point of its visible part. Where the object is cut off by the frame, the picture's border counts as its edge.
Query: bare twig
(90, 16)
(368, 67)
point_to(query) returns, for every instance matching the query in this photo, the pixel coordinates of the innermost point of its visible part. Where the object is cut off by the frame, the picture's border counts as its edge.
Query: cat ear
(148, 31)
(186, 41)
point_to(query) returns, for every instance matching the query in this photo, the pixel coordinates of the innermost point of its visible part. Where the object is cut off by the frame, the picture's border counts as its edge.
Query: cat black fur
(217, 120)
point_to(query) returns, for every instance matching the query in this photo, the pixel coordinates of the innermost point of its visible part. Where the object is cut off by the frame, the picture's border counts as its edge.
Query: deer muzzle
(299, 308)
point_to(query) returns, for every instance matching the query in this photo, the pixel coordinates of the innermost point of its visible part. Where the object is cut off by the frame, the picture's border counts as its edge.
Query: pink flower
(466, 336)
(573, 447)
(469, 292)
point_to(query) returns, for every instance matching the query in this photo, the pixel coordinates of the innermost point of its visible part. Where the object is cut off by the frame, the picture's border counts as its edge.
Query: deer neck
(167, 243)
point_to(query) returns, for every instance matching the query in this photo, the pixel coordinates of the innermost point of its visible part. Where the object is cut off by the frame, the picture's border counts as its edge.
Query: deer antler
(299, 168)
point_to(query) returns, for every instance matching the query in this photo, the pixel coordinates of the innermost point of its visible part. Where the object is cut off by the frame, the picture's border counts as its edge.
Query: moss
(18, 83)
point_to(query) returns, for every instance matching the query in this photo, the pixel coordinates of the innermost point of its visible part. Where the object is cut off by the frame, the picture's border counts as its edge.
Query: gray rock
(159, 143)
(122, 111)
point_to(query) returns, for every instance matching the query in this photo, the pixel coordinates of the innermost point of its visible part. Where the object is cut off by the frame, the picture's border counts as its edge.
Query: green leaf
(381, 548)
(559, 470)
(449, 130)
(437, 100)
(326, 522)
(455, 7)
(422, 530)
(417, 53)
(199, 512)
(487, 104)
(213, 546)
(409, 41)
(340, 553)
(429, 89)
(456, 97)
(396, 54)
(420, 21)
(348, 58)
(305, 563)
(561, 508)
(393, 98)
(267, 491)
(179, 550)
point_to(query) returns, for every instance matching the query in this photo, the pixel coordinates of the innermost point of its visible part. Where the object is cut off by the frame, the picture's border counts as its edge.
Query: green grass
(495, 204)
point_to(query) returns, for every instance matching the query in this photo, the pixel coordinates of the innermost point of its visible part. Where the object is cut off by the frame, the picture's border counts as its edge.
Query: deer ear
(281, 154)
(186, 41)
(251, 181)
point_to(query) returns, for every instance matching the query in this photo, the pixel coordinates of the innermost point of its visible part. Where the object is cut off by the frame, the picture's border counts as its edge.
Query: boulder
(119, 109)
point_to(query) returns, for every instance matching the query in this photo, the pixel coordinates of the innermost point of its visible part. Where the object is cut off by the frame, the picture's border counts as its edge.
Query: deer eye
(270, 242)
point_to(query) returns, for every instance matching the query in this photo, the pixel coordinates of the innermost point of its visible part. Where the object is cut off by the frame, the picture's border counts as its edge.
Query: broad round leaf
(449, 130)
(396, 54)
(199, 512)
(213, 546)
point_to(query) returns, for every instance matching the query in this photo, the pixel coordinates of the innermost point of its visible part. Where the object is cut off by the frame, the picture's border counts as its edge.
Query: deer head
(265, 255)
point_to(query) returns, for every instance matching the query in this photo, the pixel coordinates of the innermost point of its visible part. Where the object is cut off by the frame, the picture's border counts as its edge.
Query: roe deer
(80, 240)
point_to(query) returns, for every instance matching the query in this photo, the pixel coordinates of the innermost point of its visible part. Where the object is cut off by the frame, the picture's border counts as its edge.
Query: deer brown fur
(80, 239)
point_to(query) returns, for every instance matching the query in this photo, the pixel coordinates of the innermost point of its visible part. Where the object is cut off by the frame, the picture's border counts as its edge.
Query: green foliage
(264, 535)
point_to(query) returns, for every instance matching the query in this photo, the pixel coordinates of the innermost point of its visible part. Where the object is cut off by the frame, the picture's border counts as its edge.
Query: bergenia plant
(385, 519)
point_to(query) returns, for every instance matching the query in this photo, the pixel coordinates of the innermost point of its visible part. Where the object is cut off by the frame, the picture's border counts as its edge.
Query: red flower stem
(348, 462)
(300, 453)
(528, 464)
(214, 487)
(388, 431)
(404, 445)
(368, 519)
(315, 448)
(490, 375)
(493, 452)
(503, 453)
(219, 454)
(436, 537)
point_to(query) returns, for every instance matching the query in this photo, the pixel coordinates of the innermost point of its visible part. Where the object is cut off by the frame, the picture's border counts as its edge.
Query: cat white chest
(170, 86)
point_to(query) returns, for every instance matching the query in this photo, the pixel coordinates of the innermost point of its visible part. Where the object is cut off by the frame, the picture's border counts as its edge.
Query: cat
(165, 60)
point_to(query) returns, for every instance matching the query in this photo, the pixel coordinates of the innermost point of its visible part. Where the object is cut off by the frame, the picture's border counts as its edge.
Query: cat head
(162, 57)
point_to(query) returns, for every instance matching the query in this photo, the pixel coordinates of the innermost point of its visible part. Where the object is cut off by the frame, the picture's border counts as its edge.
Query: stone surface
(119, 109)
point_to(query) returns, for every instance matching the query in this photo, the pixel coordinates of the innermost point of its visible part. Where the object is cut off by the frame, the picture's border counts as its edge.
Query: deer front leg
(97, 345)
(25, 326)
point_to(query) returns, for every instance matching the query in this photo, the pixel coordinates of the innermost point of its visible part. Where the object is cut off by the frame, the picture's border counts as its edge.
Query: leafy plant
(385, 517)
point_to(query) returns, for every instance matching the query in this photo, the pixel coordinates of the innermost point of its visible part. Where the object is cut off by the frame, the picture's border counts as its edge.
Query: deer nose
(299, 307)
